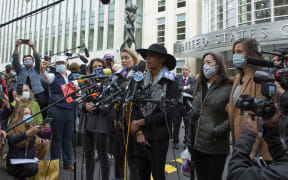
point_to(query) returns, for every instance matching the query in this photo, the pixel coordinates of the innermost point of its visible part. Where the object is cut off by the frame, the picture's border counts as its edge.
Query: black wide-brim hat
(160, 50)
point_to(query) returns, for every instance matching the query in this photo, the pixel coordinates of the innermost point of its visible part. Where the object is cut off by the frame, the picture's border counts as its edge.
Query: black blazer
(190, 81)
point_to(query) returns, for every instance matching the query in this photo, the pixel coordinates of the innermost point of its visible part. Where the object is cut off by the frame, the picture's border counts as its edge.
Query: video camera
(262, 107)
(281, 74)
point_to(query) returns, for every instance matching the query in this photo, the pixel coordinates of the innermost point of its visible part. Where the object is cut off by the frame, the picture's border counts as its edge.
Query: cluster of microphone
(122, 86)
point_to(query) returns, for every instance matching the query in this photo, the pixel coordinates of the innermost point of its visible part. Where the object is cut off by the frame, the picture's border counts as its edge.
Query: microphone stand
(163, 107)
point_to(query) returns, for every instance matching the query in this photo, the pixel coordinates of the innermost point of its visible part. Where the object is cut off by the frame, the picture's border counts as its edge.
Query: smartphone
(1, 92)
(19, 89)
(25, 41)
(47, 121)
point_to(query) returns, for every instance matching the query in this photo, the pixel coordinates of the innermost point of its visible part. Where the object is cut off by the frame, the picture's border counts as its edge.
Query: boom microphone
(86, 51)
(261, 62)
(83, 59)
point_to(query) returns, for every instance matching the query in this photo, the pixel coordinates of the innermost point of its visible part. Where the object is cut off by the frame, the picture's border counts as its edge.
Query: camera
(262, 107)
(282, 77)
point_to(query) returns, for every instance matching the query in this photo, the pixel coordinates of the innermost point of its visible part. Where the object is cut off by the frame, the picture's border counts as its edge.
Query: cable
(127, 139)
(169, 133)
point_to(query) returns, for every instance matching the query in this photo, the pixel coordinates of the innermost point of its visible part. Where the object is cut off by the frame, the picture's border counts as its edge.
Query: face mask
(209, 71)
(28, 63)
(26, 95)
(239, 60)
(13, 73)
(60, 68)
(26, 117)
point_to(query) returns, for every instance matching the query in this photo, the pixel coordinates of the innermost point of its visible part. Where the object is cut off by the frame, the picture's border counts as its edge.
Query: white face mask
(209, 71)
(26, 95)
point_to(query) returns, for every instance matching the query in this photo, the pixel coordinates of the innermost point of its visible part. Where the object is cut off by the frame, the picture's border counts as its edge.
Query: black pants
(177, 119)
(209, 166)
(153, 159)
(22, 171)
(99, 141)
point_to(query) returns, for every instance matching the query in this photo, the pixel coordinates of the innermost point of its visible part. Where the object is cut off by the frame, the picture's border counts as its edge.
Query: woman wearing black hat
(151, 131)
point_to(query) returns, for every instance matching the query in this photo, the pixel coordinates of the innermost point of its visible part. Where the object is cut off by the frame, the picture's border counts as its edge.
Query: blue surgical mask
(28, 63)
(13, 73)
(26, 117)
(60, 68)
(239, 60)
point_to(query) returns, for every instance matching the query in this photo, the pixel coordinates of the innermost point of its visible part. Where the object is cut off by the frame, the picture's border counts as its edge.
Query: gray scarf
(155, 89)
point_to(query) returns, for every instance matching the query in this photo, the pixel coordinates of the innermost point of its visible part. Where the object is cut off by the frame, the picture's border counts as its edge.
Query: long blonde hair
(19, 114)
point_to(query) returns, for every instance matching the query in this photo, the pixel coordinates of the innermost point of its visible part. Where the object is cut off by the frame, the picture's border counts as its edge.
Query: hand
(189, 86)
(2, 135)
(5, 100)
(45, 126)
(141, 138)
(89, 107)
(275, 119)
(32, 131)
(134, 126)
(251, 123)
(17, 98)
(46, 142)
(30, 43)
(76, 87)
(279, 89)
(43, 66)
(18, 42)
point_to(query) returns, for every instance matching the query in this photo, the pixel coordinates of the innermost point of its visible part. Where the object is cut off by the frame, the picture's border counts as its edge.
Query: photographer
(152, 130)
(244, 84)
(211, 130)
(30, 73)
(242, 167)
(22, 143)
(98, 127)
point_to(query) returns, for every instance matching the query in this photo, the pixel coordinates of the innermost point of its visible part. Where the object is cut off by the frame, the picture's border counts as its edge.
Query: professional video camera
(262, 107)
(281, 74)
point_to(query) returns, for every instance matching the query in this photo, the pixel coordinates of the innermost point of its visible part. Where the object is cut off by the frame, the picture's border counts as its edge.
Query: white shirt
(50, 77)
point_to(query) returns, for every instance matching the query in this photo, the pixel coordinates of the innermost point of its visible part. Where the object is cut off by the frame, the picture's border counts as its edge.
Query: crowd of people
(137, 135)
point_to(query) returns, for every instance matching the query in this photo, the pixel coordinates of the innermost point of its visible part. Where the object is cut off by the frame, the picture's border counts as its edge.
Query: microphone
(83, 59)
(138, 77)
(164, 78)
(86, 51)
(120, 74)
(106, 74)
(93, 95)
(261, 62)
(105, 1)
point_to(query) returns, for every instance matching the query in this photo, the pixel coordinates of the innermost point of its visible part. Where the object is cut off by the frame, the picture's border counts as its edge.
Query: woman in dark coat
(211, 94)
(152, 128)
(99, 125)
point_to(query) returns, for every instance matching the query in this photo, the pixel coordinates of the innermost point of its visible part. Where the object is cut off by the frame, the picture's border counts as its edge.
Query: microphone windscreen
(107, 71)
(141, 66)
(80, 80)
(94, 94)
(259, 62)
(83, 59)
(86, 51)
(131, 74)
